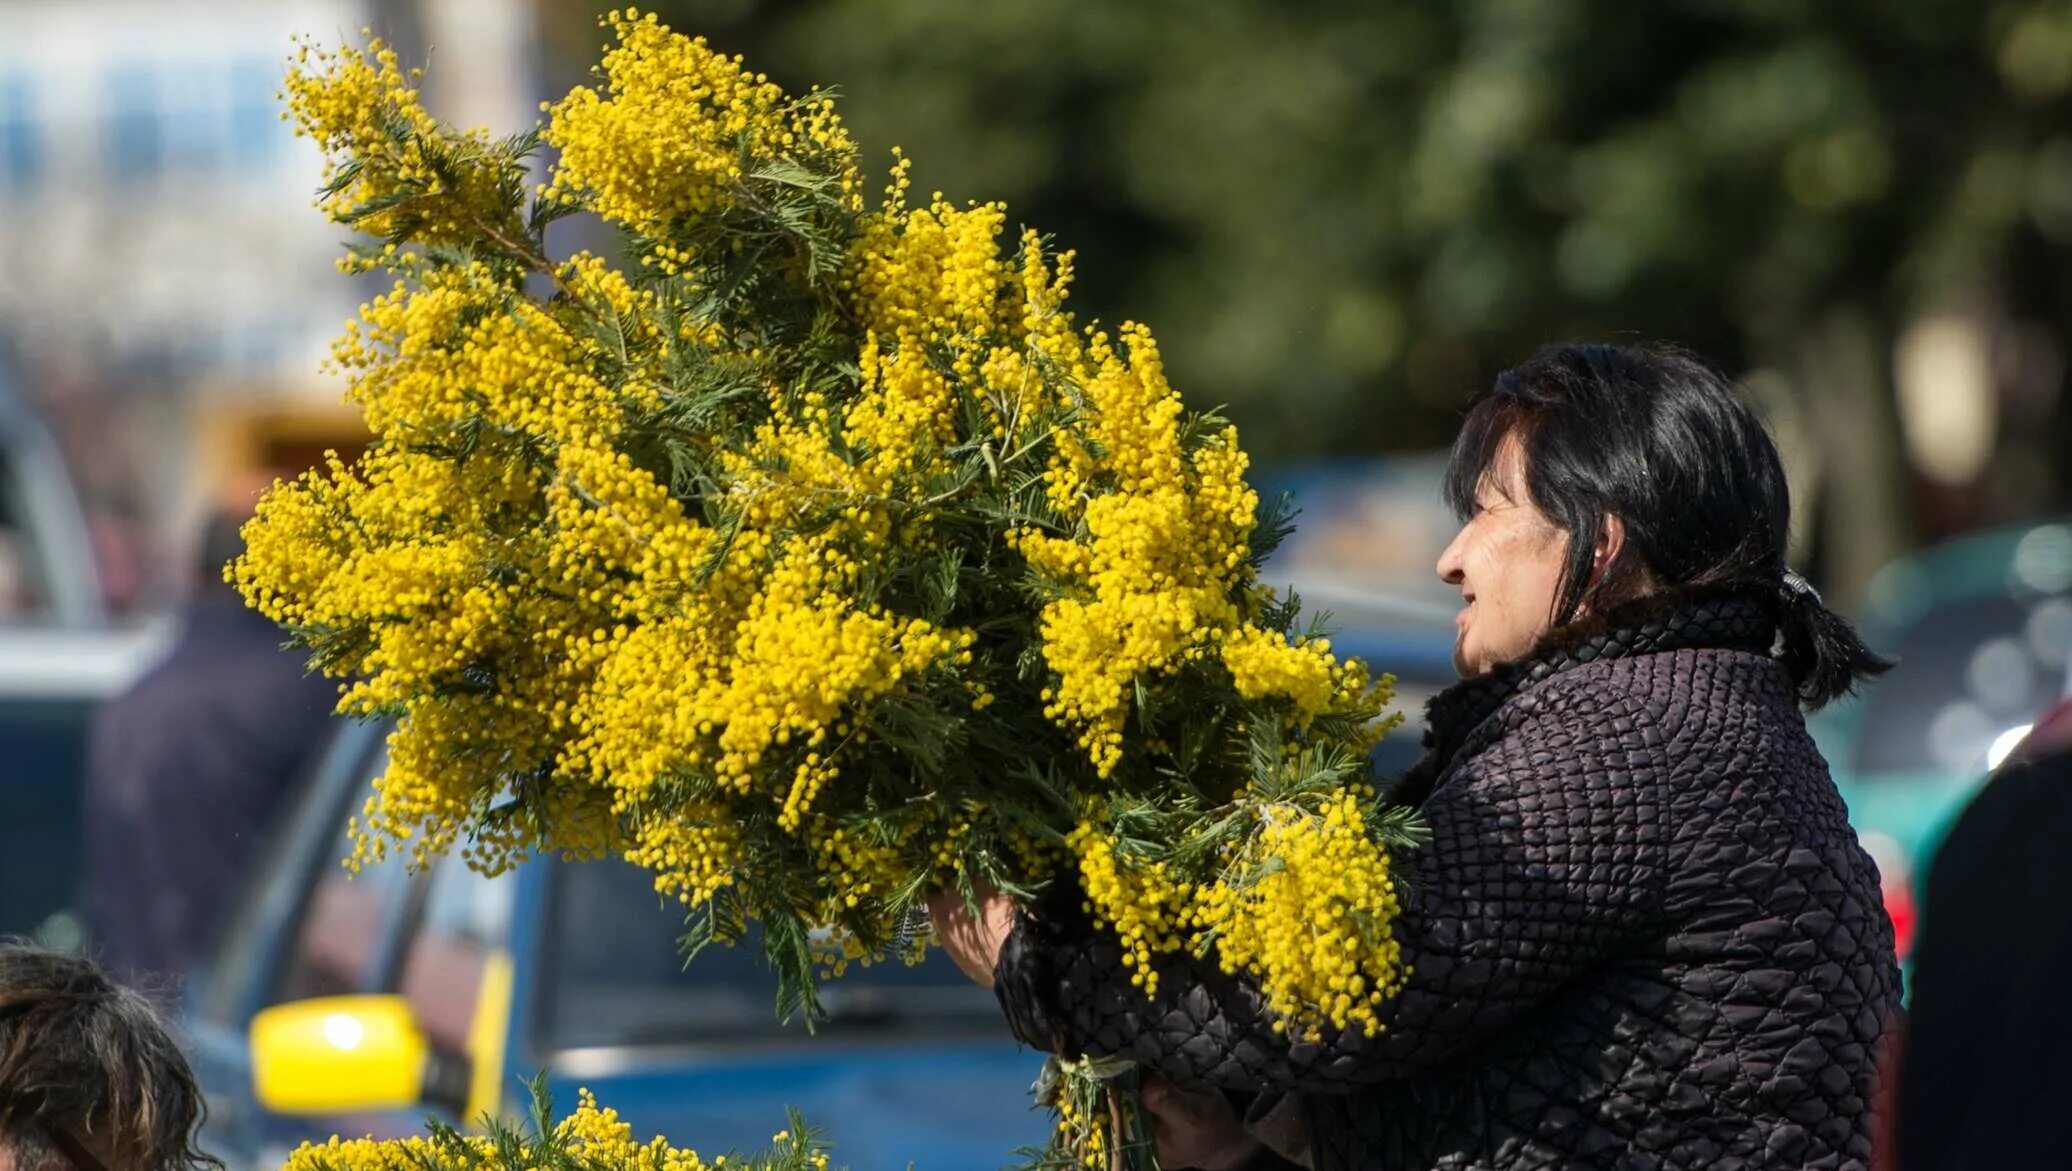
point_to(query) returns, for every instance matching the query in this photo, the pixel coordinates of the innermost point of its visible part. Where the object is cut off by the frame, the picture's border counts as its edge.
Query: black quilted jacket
(1643, 934)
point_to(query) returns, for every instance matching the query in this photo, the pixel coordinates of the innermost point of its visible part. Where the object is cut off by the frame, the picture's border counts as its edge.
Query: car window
(1969, 675)
(349, 929)
(339, 941)
(613, 976)
(466, 917)
(344, 933)
(296, 852)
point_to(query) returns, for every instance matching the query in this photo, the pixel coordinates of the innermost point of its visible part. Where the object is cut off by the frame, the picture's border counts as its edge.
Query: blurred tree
(1343, 216)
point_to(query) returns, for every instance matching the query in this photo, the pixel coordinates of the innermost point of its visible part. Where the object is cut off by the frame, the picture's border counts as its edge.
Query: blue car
(342, 1005)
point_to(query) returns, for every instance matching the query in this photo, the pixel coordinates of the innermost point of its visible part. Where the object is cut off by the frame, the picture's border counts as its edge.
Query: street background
(1342, 219)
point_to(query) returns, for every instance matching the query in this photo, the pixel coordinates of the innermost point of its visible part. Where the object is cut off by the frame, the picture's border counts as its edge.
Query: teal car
(1981, 627)
(340, 1005)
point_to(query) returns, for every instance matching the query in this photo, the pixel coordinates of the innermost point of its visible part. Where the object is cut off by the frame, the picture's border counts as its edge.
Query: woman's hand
(1196, 1128)
(974, 941)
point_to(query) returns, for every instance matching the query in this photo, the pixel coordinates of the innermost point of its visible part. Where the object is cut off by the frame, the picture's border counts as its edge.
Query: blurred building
(170, 289)
(169, 298)
(154, 209)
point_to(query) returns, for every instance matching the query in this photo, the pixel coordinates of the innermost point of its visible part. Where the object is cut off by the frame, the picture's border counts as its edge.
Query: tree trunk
(1842, 365)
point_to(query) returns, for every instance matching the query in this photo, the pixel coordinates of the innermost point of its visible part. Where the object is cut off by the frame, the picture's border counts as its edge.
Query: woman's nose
(1449, 567)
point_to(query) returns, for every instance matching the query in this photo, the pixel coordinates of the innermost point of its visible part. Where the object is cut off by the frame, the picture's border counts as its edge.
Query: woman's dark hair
(1662, 441)
(89, 1078)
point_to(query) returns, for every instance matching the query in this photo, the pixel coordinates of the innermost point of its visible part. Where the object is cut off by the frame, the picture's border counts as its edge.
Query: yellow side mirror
(338, 1054)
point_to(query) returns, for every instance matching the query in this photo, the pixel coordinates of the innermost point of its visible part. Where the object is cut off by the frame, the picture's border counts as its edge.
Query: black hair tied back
(1822, 652)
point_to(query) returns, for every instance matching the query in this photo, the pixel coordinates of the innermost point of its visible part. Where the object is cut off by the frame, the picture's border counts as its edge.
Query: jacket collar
(1730, 618)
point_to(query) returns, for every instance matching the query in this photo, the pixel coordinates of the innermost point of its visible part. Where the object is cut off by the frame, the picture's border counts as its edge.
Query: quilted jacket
(1642, 935)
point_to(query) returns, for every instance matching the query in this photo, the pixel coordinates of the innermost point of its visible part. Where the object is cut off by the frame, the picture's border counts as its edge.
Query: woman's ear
(1611, 541)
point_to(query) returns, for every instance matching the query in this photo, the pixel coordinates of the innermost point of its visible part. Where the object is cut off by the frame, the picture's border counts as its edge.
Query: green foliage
(1344, 217)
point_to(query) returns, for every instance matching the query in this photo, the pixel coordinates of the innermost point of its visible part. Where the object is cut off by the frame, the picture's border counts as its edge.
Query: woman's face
(1507, 562)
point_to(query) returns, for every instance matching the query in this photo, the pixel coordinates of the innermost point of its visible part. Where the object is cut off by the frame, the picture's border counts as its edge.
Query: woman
(1643, 934)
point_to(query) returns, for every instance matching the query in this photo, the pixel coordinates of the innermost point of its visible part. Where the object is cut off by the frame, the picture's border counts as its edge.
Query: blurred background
(1342, 219)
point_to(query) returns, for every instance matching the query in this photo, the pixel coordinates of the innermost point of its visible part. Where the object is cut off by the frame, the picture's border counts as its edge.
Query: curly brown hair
(90, 1079)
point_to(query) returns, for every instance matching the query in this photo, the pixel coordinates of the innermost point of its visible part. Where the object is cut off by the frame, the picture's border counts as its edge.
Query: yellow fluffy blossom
(1086, 1133)
(678, 124)
(1269, 665)
(1313, 928)
(933, 272)
(594, 1136)
(401, 1154)
(407, 171)
(1145, 904)
(855, 865)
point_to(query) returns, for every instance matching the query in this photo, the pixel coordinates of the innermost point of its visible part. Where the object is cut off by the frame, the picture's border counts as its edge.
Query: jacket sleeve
(1547, 852)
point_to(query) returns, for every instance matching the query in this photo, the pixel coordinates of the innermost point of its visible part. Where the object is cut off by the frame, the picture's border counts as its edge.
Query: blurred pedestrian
(186, 772)
(1643, 933)
(17, 585)
(89, 1078)
(1986, 1064)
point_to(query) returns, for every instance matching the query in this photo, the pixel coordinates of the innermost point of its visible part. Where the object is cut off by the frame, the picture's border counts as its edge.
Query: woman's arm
(1548, 850)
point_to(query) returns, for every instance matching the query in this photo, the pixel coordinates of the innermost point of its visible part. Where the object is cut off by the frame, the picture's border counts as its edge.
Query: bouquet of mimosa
(813, 558)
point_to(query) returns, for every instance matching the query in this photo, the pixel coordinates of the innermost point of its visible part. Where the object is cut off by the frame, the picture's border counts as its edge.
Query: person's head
(89, 1078)
(1594, 475)
(222, 541)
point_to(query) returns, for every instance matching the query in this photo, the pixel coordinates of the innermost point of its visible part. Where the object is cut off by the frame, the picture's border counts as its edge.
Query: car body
(1981, 626)
(52, 681)
(572, 969)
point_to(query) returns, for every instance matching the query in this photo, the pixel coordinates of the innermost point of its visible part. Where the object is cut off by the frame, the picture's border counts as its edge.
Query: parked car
(351, 1005)
(59, 659)
(342, 1005)
(1982, 630)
